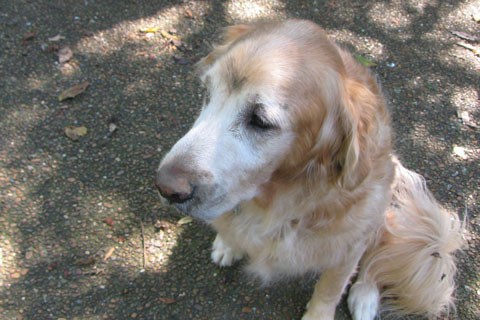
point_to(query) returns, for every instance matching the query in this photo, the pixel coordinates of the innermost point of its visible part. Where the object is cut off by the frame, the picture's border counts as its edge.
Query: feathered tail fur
(413, 264)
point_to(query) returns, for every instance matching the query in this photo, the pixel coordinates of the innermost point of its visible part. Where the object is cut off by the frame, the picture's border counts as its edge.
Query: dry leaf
(29, 36)
(182, 60)
(75, 133)
(74, 91)
(178, 44)
(83, 262)
(364, 61)
(109, 254)
(64, 54)
(188, 13)
(109, 221)
(70, 132)
(58, 37)
(184, 220)
(167, 35)
(150, 30)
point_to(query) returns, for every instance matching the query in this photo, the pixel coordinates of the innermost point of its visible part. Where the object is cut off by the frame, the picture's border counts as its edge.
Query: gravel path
(82, 234)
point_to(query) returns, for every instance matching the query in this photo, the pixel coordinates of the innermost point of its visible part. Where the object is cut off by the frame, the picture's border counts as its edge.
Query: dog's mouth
(181, 205)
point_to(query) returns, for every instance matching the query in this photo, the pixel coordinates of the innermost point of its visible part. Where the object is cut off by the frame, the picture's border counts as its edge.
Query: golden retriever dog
(291, 162)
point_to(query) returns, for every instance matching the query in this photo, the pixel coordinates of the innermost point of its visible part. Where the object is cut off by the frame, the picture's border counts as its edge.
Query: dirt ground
(82, 233)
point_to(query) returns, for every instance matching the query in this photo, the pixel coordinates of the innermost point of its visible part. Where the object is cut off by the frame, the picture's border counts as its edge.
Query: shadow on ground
(65, 204)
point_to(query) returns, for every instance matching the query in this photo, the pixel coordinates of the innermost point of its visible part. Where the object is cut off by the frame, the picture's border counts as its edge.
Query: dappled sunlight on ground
(364, 44)
(253, 10)
(8, 262)
(389, 16)
(82, 233)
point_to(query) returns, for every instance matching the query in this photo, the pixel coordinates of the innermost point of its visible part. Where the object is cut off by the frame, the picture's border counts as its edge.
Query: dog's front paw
(363, 301)
(319, 311)
(223, 254)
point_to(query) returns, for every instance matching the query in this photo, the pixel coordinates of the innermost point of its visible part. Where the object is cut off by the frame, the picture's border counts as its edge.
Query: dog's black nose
(175, 189)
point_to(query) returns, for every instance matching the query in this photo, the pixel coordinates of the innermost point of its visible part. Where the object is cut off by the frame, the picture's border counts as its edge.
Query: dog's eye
(258, 122)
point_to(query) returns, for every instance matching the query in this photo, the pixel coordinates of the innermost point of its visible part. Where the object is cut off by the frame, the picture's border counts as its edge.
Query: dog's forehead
(254, 64)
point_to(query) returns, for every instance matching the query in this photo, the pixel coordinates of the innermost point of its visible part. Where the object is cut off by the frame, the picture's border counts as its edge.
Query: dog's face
(264, 110)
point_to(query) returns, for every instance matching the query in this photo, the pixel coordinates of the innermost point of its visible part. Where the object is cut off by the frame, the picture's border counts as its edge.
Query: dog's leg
(329, 289)
(363, 300)
(364, 296)
(223, 254)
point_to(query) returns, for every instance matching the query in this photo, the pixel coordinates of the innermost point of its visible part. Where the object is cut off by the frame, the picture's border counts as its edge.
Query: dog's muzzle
(191, 190)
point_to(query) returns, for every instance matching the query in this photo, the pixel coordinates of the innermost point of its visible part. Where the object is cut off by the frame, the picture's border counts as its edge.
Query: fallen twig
(143, 246)
(465, 36)
(475, 50)
(93, 273)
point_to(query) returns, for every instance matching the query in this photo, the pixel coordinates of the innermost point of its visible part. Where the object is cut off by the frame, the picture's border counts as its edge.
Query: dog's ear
(339, 150)
(230, 35)
(357, 123)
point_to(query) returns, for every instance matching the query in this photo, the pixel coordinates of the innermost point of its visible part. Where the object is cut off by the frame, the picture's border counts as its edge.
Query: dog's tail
(413, 265)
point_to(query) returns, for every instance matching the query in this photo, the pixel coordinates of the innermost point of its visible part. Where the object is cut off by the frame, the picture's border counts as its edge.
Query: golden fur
(327, 205)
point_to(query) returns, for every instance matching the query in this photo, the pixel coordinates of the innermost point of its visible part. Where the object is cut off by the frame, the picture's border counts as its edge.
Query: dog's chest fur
(279, 242)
